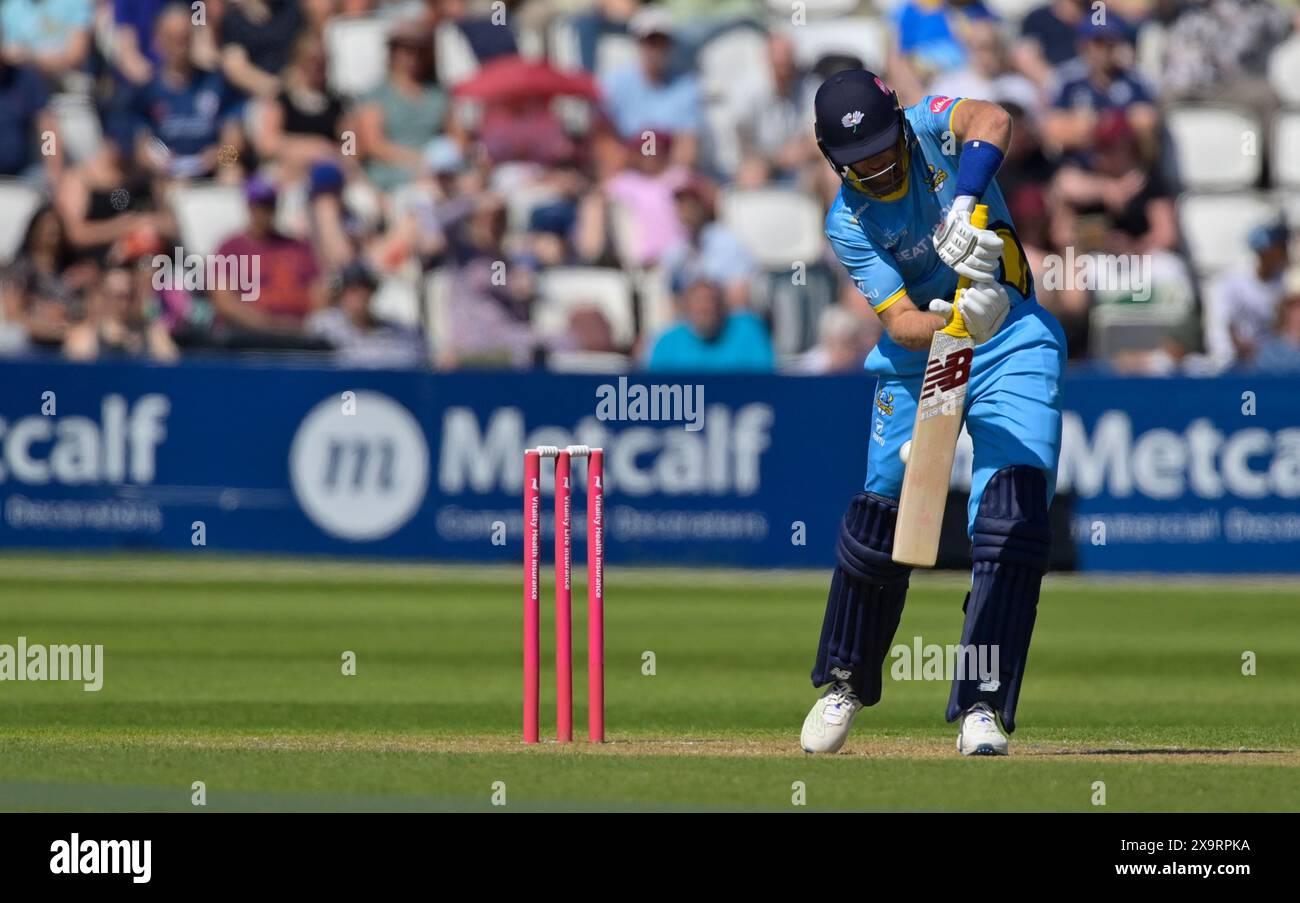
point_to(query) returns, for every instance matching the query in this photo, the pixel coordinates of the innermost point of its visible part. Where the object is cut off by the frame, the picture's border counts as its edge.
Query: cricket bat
(939, 411)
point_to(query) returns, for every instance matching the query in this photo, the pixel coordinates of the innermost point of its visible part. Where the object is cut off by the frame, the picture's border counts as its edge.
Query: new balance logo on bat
(947, 373)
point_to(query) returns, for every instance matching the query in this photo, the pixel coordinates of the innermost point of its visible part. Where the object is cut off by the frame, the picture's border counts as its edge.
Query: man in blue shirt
(901, 225)
(647, 95)
(711, 339)
(184, 114)
(1098, 81)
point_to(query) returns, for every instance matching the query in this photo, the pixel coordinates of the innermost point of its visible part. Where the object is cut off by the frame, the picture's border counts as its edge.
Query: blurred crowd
(591, 185)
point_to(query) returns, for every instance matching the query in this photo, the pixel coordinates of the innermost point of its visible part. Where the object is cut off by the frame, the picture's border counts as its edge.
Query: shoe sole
(985, 749)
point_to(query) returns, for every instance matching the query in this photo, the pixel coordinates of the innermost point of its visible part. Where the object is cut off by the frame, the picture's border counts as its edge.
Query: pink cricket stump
(563, 600)
(596, 597)
(532, 621)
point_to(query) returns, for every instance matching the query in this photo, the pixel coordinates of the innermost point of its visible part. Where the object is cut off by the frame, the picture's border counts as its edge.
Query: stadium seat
(794, 310)
(734, 67)
(19, 201)
(655, 308)
(453, 54)
(207, 214)
(1284, 70)
(437, 306)
(397, 300)
(856, 36)
(293, 211)
(1215, 226)
(1012, 10)
(1212, 143)
(562, 43)
(1284, 149)
(78, 125)
(1152, 43)
(357, 49)
(779, 226)
(565, 289)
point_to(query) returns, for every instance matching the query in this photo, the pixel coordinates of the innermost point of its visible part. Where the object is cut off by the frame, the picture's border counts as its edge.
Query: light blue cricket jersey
(887, 245)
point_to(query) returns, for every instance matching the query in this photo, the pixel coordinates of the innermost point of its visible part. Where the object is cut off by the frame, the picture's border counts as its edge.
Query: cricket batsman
(901, 225)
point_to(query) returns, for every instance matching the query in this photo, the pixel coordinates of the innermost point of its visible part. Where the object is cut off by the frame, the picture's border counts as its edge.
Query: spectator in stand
(120, 321)
(105, 198)
(302, 125)
(1132, 200)
(132, 52)
(1115, 206)
(289, 286)
(483, 33)
(44, 288)
(774, 136)
(844, 339)
(1241, 305)
(257, 39)
(408, 110)
(1068, 302)
(1025, 163)
(1048, 38)
(987, 74)
(647, 95)
(711, 338)
(133, 27)
(1218, 51)
(490, 295)
(1280, 352)
(932, 39)
(53, 36)
(708, 251)
(1099, 81)
(184, 115)
(359, 338)
(24, 116)
(644, 192)
(605, 17)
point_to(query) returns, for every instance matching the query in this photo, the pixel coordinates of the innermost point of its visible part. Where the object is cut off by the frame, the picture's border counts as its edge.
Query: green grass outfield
(227, 671)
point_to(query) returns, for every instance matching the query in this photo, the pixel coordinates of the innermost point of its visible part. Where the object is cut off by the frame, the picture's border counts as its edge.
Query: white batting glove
(973, 253)
(984, 307)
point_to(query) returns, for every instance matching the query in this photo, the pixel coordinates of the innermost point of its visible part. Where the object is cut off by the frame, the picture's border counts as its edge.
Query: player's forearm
(913, 329)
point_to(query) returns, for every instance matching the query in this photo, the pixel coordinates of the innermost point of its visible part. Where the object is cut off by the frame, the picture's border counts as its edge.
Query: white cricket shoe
(980, 734)
(827, 725)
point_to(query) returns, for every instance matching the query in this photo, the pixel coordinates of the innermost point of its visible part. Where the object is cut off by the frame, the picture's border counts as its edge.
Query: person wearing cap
(709, 249)
(1101, 79)
(647, 95)
(361, 338)
(902, 227)
(288, 284)
(1241, 302)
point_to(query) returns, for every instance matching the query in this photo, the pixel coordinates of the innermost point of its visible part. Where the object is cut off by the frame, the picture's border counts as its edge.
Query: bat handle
(979, 218)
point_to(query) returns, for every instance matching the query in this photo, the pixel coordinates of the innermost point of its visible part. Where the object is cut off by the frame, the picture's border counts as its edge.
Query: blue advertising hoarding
(1175, 475)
